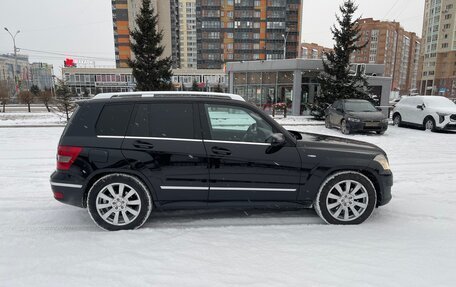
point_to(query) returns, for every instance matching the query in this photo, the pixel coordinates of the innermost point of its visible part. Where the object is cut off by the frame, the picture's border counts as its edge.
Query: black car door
(164, 143)
(243, 165)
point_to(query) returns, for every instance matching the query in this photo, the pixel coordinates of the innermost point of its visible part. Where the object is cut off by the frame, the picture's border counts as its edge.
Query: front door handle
(143, 145)
(220, 150)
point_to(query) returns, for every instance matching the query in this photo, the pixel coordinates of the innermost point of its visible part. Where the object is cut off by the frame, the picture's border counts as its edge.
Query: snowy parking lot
(409, 242)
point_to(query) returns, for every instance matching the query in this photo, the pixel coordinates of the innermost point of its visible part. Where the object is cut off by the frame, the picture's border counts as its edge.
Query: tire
(327, 122)
(429, 124)
(397, 120)
(119, 202)
(343, 208)
(380, 132)
(343, 128)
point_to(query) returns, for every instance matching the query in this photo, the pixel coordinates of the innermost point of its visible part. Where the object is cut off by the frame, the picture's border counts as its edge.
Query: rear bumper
(386, 183)
(65, 191)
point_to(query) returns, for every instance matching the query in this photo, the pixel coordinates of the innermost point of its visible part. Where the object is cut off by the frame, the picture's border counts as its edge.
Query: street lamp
(285, 37)
(13, 37)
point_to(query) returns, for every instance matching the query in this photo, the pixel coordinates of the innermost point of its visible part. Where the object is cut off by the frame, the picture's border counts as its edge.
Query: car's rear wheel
(327, 122)
(119, 202)
(429, 124)
(345, 198)
(344, 128)
(397, 120)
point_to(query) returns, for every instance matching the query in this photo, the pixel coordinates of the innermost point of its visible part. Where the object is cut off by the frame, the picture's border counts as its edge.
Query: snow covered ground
(31, 119)
(410, 242)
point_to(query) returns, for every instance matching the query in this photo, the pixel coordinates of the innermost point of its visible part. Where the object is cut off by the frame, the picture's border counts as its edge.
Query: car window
(163, 120)
(230, 123)
(113, 120)
(359, 106)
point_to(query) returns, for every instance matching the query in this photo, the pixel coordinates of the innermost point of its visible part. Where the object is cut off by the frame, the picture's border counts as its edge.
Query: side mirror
(420, 107)
(296, 135)
(277, 140)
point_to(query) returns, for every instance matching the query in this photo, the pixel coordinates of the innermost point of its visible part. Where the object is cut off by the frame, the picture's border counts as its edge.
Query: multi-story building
(91, 81)
(42, 75)
(235, 30)
(205, 34)
(438, 56)
(187, 31)
(389, 44)
(313, 51)
(124, 14)
(22, 71)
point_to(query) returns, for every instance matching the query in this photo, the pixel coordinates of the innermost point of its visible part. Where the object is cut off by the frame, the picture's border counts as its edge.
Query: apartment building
(205, 34)
(235, 30)
(313, 51)
(438, 56)
(124, 13)
(389, 44)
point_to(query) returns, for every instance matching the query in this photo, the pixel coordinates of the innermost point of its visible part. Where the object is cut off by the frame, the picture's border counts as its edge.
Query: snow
(31, 119)
(409, 242)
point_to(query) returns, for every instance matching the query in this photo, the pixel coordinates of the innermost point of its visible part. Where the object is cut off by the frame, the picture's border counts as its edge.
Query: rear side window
(114, 119)
(163, 120)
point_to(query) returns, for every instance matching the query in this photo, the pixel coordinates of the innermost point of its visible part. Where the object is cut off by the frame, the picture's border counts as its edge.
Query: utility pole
(13, 37)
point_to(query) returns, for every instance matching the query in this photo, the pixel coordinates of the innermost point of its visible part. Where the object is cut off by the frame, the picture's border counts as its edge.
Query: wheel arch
(317, 180)
(101, 173)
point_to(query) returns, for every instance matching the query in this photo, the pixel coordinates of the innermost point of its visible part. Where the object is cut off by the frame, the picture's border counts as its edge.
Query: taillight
(58, 195)
(66, 155)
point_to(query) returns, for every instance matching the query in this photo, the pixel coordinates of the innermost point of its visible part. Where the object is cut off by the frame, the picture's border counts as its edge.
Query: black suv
(122, 155)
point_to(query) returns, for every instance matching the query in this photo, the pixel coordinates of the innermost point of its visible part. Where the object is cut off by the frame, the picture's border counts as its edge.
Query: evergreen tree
(152, 73)
(64, 104)
(336, 82)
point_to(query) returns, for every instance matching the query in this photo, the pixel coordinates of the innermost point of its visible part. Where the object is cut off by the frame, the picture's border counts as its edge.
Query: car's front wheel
(347, 197)
(119, 202)
(429, 124)
(397, 120)
(344, 128)
(327, 122)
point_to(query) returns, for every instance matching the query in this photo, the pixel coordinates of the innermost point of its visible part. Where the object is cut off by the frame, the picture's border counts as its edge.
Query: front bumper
(367, 126)
(66, 190)
(385, 184)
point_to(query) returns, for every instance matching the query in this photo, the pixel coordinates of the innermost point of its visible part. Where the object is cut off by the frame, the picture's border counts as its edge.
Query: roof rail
(166, 94)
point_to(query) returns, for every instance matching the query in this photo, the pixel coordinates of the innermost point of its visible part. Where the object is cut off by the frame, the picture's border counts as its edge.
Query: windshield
(438, 102)
(360, 106)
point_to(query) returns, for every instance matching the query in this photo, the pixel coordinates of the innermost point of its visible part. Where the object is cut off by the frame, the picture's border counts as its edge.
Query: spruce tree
(336, 81)
(151, 71)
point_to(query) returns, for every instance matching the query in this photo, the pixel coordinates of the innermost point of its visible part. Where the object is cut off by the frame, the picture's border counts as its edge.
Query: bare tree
(26, 97)
(65, 104)
(4, 94)
(46, 98)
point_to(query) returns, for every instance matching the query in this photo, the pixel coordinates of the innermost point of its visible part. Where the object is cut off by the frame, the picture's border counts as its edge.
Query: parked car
(123, 155)
(428, 112)
(355, 116)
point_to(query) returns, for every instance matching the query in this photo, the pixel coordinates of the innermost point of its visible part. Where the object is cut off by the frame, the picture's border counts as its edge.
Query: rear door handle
(220, 150)
(143, 145)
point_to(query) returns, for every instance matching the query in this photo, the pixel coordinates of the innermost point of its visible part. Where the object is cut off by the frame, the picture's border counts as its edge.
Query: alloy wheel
(347, 200)
(118, 204)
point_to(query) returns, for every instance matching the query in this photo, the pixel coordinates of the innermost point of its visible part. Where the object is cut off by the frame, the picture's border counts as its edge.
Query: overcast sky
(84, 27)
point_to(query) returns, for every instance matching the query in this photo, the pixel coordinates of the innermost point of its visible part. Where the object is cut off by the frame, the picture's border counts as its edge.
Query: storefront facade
(264, 83)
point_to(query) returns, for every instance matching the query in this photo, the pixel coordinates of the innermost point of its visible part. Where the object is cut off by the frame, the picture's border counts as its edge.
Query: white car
(428, 112)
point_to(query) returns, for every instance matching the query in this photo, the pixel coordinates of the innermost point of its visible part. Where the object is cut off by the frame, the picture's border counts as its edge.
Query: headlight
(355, 120)
(381, 159)
(443, 114)
(385, 121)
